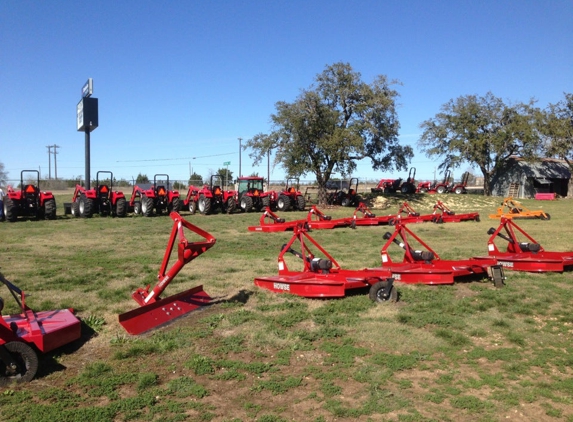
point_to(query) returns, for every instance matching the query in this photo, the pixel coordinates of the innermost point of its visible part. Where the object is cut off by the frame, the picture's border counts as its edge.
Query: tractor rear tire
(10, 210)
(283, 203)
(246, 203)
(86, 207)
(346, 202)
(147, 206)
(50, 209)
(376, 293)
(300, 203)
(121, 207)
(26, 359)
(265, 203)
(458, 190)
(175, 205)
(204, 205)
(230, 205)
(76, 209)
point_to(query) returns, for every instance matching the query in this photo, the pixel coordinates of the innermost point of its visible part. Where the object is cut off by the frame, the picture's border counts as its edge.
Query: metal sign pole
(88, 178)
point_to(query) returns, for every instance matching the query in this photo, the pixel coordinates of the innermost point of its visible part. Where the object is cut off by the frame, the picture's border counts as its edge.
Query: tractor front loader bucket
(154, 310)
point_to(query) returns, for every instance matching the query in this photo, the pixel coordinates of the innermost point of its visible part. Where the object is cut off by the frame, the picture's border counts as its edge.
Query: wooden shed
(522, 179)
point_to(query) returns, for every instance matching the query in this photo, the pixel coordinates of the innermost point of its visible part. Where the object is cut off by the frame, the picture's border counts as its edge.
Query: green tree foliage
(557, 129)
(481, 131)
(333, 124)
(142, 178)
(226, 176)
(196, 180)
(3, 175)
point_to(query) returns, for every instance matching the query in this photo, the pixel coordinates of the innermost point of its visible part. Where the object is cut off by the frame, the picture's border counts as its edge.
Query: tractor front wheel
(147, 206)
(458, 190)
(377, 293)
(246, 203)
(86, 207)
(204, 205)
(137, 207)
(76, 209)
(192, 207)
(441, 189)
(283, 203)
(10, 210)
(26, 364)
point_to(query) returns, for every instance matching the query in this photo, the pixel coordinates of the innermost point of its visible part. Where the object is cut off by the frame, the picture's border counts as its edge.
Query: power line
(175, 159)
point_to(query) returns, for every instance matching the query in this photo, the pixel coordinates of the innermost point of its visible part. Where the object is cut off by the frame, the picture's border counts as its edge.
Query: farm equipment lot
(466, 351)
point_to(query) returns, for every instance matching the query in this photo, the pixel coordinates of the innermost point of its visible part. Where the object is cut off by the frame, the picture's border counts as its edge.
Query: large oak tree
(333, 124)
(481, 131)
(558, 129)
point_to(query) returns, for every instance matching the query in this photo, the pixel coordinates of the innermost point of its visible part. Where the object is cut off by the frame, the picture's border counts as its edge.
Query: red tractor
(459, 188)
(346, 198)
(437, 187)
(158, 197)
(210, 198)
(408, 186)
(387, 186)
(291, 198)
(396, 185)
(252, 196)
(29, 201)
(102, 200)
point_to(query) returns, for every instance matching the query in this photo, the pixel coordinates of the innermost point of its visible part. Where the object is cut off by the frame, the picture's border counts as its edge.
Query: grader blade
(155, 311)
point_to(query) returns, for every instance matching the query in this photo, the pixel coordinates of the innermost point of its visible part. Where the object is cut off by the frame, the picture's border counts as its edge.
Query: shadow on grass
(49, 362)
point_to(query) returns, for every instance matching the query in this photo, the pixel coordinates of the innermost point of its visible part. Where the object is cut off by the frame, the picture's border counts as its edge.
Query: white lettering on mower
(396, 276)
(505, 264)
(281, 286)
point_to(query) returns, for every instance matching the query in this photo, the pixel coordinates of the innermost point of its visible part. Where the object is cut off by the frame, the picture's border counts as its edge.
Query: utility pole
(55, 161)
(240, 174)
(49, 161)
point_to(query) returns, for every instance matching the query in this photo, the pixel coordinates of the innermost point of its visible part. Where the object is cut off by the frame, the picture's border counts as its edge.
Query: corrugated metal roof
(545, 169)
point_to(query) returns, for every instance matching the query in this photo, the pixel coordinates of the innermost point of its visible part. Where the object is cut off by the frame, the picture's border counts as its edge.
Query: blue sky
(179, 82)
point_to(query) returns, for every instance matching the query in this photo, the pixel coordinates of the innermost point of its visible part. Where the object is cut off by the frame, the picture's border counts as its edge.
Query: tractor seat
(217, 190)
(291, 190)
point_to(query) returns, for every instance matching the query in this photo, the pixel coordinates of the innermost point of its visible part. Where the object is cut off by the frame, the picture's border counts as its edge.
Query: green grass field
(468, 351)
